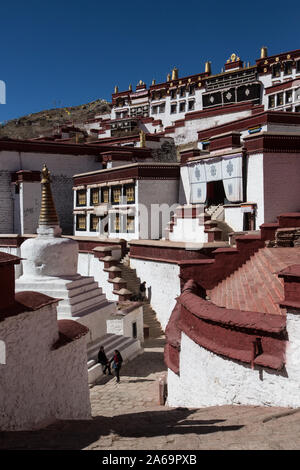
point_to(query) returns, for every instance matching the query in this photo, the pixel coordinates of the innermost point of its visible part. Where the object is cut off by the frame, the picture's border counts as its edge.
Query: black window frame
(92, 191)
(126, 186)
(112, 195)
(78, 192)
(78, 229)
(93, 216)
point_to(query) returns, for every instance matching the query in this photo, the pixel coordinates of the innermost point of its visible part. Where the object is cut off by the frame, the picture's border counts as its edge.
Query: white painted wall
(207, 379)
(162, 283)
(233, 217)
(122, 324)
(188, 230)
(255, 185)
(39, 385)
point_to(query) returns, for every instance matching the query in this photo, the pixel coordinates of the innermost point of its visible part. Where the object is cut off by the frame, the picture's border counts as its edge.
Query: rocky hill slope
(44, 123)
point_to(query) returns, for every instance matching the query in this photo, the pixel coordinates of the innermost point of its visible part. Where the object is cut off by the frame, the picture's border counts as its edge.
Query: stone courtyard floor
(127, 416)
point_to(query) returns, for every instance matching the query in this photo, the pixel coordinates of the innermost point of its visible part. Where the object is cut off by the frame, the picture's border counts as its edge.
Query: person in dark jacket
(143, 290)
(102, 359)
(117, 363)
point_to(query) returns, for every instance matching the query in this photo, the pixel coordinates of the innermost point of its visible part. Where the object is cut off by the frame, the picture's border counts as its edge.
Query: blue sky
(64, 53)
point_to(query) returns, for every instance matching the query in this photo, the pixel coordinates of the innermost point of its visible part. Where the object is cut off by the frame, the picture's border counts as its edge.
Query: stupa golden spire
(48, 214)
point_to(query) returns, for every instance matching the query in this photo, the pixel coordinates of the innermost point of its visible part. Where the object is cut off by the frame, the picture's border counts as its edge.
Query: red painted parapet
(291, 276)
(208, 273)
(250, 337)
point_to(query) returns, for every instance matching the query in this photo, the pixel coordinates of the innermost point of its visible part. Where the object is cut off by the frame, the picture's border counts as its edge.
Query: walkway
(126, 416)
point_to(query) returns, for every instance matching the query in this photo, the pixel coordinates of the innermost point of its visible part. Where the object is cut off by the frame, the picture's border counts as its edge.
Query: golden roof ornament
(142, 139)
(116, 89)
(263, 52)
(207, 67)
(130, 87)
(168, 77)
(153, 81)
(175, 73)
(48, 214)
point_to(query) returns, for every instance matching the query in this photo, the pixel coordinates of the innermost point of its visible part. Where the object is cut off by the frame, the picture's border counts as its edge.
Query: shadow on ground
(75, 435)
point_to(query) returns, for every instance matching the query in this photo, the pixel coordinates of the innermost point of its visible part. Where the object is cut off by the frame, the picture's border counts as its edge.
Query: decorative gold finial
(142, 139)
(175, 73)
(233, 57)
(153, 81)
(168, 77)
(48, 215)
(208, 67)
(264, 52)
(130, 87)
(116, 89)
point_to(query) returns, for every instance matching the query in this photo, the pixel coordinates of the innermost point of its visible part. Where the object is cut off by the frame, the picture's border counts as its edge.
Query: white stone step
(57, 284)
(94, 303)
(105, 308)
(84, 295)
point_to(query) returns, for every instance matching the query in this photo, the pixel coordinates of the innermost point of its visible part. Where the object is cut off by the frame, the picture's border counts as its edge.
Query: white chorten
(50, 267)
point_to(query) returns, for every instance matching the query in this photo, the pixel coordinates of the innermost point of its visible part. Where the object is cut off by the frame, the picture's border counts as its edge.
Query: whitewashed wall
(188, 230)
(39, 385)
(255, 186)
(207, 379)
(122, 324)
(89, 265)
(162, 283)
(233, 217)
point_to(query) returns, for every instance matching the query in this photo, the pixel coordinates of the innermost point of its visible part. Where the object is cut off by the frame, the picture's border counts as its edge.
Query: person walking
(143, 290)
(117, 363)
(102, 359)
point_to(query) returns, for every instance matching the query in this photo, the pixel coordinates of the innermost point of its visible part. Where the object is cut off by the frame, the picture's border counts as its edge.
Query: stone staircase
(216, 212)
(133, 284)
(129, 276)
(128, 347)
(255, 286)
(155, 329)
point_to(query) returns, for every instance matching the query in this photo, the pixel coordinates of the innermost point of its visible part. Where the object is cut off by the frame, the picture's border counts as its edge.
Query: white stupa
(50, 267)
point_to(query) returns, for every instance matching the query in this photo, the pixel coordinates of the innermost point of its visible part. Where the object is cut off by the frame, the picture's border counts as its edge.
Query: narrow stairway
(133, 284)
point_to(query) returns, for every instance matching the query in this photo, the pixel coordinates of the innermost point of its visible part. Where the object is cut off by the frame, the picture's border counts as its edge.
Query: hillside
(45, 122)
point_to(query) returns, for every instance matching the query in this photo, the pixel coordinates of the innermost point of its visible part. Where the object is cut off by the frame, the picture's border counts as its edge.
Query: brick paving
(127, 416)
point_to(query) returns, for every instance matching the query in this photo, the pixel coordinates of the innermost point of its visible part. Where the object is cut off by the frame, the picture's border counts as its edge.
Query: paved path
(126, 416)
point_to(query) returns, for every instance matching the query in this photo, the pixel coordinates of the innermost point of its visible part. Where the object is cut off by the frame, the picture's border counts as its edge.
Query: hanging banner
(197, 179)
(228, 169)
(213, 169)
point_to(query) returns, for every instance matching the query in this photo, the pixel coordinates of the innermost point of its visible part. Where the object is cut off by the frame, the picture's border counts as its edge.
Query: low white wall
(234, 218)
(207, 379)
(122, 324)
(188, 230)
(89, 265)
(38, 384)
(162, 283)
